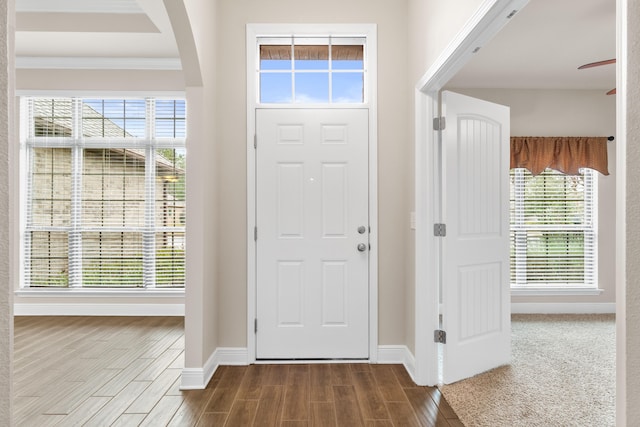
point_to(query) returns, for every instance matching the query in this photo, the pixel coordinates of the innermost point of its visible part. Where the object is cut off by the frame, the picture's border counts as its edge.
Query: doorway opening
(481, 29)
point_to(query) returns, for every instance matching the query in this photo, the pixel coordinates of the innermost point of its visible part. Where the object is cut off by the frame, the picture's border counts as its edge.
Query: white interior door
(475, 251)
(312, 234)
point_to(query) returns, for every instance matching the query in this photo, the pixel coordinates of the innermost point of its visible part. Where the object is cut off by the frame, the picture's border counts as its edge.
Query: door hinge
(255, 234)
(255, 141)
(439, 123)
(255, 325)
(440, 336)
(439, 230)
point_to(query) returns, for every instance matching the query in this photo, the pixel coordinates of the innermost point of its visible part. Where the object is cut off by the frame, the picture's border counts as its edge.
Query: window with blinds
(105, 193)
(553, 229)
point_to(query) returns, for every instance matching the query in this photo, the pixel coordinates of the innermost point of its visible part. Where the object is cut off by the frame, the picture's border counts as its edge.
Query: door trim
(490, 17)
(369, 31)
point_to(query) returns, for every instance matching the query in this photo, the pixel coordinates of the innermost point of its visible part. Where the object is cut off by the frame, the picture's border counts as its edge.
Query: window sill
(542, 291)
(41, 292)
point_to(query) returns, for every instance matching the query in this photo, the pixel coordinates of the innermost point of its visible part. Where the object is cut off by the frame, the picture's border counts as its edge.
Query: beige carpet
(562, 374)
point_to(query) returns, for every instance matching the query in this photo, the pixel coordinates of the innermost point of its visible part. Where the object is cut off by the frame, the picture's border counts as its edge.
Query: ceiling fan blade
(612, 91)
(596, 64)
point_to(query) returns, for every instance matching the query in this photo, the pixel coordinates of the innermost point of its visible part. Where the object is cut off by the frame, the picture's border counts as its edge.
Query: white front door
(475, 250)
(312, 234)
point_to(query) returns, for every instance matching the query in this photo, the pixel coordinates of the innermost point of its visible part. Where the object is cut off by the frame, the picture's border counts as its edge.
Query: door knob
(362, 229)
(362, 247)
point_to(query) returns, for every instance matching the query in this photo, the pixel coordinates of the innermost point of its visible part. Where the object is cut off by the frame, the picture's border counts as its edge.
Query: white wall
(569, 113)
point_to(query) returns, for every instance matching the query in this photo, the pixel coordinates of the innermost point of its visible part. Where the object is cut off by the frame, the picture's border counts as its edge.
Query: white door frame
(621, 211)
(490, 17)
(369, 31)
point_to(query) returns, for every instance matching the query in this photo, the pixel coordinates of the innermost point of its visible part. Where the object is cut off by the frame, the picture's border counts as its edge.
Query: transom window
(553, 229)
(313, 70)
(105, 193)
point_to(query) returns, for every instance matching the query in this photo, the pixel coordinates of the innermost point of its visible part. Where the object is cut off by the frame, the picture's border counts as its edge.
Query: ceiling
(94, 34)
(541, 48)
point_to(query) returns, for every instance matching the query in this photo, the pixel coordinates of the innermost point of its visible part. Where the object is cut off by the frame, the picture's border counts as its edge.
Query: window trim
(548, 291)
(102, 292)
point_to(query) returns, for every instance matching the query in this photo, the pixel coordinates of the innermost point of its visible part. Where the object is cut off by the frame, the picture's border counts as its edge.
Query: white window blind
(553, 229)
(105, 203)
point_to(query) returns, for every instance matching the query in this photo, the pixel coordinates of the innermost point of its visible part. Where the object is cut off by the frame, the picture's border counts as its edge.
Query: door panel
(475, 251)
(312, 196)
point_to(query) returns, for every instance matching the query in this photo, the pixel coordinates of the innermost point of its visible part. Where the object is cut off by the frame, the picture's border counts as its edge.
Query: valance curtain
(564, 154)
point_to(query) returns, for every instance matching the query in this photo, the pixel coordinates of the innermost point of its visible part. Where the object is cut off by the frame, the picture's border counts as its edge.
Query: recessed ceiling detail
(94, 34)
(79, 6)
(85, 22)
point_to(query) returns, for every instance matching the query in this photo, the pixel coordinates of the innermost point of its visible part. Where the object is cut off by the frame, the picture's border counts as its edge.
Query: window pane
(348, 65)
(48, 259)
(275, 88)
(554, 257)
(348, 88)
(553, 198)
(311, 57)
(312, 88)
(275, 57)
(170, 259)
(275, 64)
(113, 188)
(93, 123)
(347, 57)
(114, 118)
(111, 259)
(170, 187)
(313, 65)
(50, 187)
(52, 117)
(170, 119)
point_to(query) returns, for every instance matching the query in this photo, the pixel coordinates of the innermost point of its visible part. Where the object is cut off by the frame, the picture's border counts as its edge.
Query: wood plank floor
(125, 371)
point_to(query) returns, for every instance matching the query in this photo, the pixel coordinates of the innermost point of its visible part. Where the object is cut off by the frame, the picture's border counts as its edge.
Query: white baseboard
(20, 309)
(198, 378)
(397, 354)
(563, 308)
